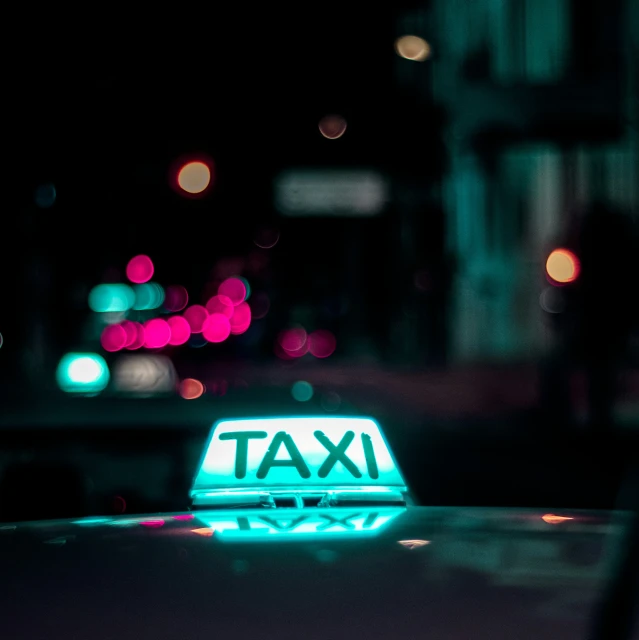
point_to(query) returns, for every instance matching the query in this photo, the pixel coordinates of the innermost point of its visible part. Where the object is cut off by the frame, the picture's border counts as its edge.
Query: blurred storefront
(542, 98)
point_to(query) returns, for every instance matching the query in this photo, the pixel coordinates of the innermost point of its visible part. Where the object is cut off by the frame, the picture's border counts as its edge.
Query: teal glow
(301, 454)
(111, 298)
(295, 524)
(91, 522)
(247, 286)
(82, 373)
(302, 391)
(149, 295)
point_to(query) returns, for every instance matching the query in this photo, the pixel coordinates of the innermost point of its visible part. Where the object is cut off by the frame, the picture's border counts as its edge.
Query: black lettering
(369, 455)
(337, 454)
(241, 452)
(296, 459)
(332, 521)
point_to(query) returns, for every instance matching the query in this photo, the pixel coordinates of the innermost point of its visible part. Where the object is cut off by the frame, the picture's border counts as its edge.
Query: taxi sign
(296, 524)
(304, 454)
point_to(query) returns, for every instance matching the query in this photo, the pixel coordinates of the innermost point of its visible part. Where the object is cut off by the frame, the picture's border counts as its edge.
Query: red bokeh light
(217, 328)
(113, 338)
(241, 319)
(140, 269)
(220, 304)
(196, 315)
(176, 298)
(180, 330)
(190, 388)
(234, 289)
(321, 343)
(157, 333)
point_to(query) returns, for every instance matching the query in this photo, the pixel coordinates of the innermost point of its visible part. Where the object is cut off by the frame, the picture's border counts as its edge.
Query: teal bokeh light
(111, 298)
(149, 295)
(302, 391)
(86, 373)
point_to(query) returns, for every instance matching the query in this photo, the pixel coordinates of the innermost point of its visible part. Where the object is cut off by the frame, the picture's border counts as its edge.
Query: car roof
(429, 572)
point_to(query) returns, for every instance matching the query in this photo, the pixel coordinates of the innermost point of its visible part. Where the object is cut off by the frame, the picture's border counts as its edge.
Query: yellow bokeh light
(194, 177)
(413, 48)
(562, 266)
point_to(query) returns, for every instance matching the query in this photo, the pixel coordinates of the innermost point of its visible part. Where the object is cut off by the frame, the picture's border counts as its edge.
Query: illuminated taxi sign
(294, 524)
(307, 454)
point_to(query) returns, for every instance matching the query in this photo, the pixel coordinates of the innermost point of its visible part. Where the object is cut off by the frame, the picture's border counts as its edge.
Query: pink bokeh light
(140, 269)
(131, 330)
(138, 343)
(217, 328)
(176, 298)
(113, 338)
(234, 289)
(184, 517)
(180, 330)
(322, 343)
(157, 333)
(220, 304)
(241, 319)
(153, 524)
(196, 315)
(292, 340)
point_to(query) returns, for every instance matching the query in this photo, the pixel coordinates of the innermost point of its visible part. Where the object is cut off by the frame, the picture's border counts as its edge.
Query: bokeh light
(217, 328)
(190, 388)
(562, 266)
(157, 333)
(332, 127)
(552, 300)
(331, 401)
(240, 321)
(321, 343)
(196, 315)
(113, 338)
(140, 269)
(111, 298)
(302, 391)
(180, 330)
(149, 295)
(413, 48)
(45, 195)
(194, 177)
(266, 238)
(176, 298)
(260, 305)
(220, 304)
(138, 341)
(233, 288)
(294, 342)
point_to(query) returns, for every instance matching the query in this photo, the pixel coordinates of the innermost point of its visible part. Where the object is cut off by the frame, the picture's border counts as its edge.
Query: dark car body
(360, 572)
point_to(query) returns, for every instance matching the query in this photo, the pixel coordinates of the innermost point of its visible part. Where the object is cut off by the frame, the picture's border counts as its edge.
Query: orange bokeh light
(562, 266)
(551, 518)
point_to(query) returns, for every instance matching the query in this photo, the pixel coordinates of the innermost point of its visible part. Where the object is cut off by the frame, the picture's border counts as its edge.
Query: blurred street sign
(342, 193)
(144, 374)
